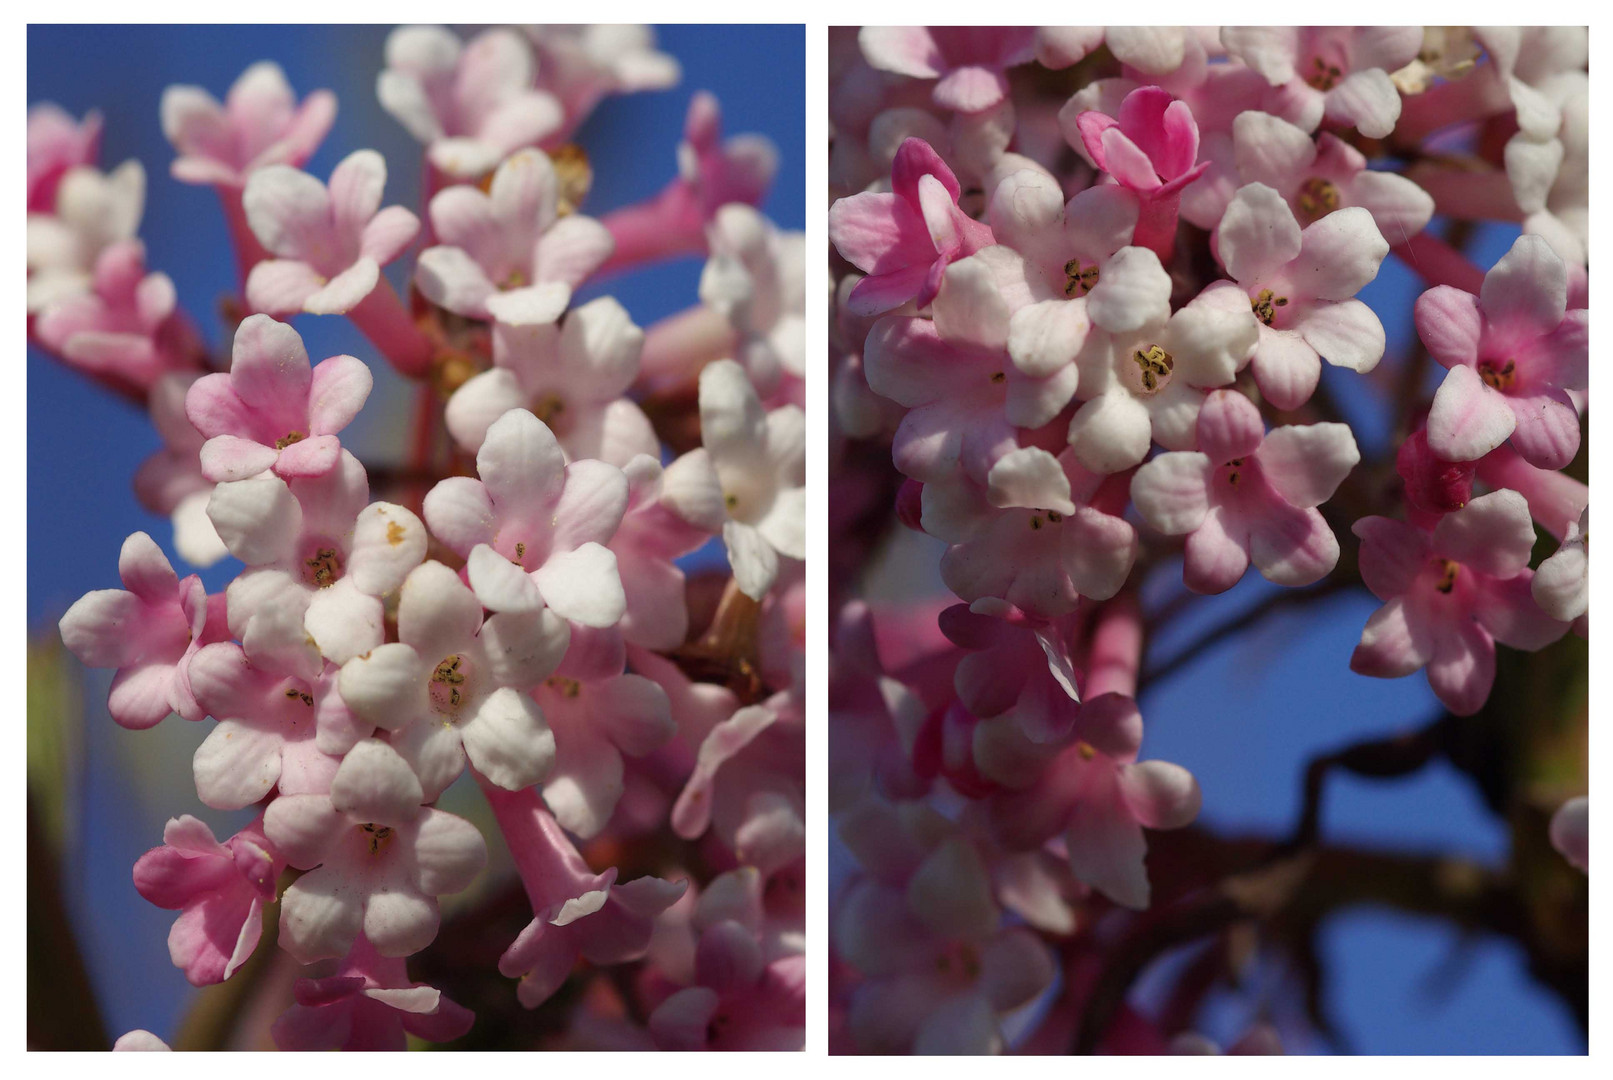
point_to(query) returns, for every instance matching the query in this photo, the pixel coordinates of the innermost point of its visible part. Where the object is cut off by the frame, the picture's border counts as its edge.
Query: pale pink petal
(1492, 534)
(282, 286)
(374, 783)
(1339, 255)
(1171, 492)
(1527, 288)
(1306, 463)
(1347, 333)
(1214, 560)
(1467, 419)
(1229, 426)
(508, 741)
(1258, 234)
(905, 50)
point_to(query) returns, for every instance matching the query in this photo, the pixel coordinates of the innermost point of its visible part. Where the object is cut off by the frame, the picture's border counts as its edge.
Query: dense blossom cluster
(514, 605)
(1085, 283)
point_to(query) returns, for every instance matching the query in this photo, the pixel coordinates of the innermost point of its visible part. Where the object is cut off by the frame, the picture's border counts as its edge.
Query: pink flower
(1301, 286)
(905, 240)
(272, 409)
(369, 1004)
(748, 478)
(533, 528)
(170, 481)
(57, 143)
(1096, 793)
(1449, 595)
(1018, 669)
(509, 254)
(573, 375)
(149, 630)
(321, 557)
(926, 932)
(471, 105)
(274, 730)
(1064, 247)
(1143, 368)
(1248, 495)
(1151, 150)
(1562, 583)
(260, 123)
(749, 784)
(331, 242)
(580, 65)
(1038, 541)
(873, 719)
(93, 211)
(1337, 72)
(1316, 177)
(453, 685)
(377, 859)
(651, 539)
(1571, 833)
(1434, 486)
(739, 1002)
(1514, 354)
(127, 327)
(968, 60)
(755, 280)
(577, 913)
(955, 375)
(219, 890)
(595, 722)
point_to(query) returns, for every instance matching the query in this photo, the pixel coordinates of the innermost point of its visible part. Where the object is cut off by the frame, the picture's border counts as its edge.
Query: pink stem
(549, 865)
(1469, 196)
(1116, 652)
(1437, 263)
(663, 227)
(383, 319)
(1555, 499)
(248, 252)
(1156, 225)
(1479, 95)
(678, 346)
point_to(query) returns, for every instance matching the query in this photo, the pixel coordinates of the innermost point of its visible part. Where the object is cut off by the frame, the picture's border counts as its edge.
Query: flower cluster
(522, 606)
(1086, 281)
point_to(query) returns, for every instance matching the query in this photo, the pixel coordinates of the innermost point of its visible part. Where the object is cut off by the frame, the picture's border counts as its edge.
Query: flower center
(1323, 75)
(548, 408)
(293, 693)
(1448, 572)
(569, 688)
(1265, 305)
(288, 438)
(1499, 374)
(959, 958)
(1317, 198)
(1078, 279)
(514, 280)
(448, 684)
(1049, 517)
(322, 568)
(1154, 366)
(1234, 471)
(575, 176)
(378, 837)
(1086, 750)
